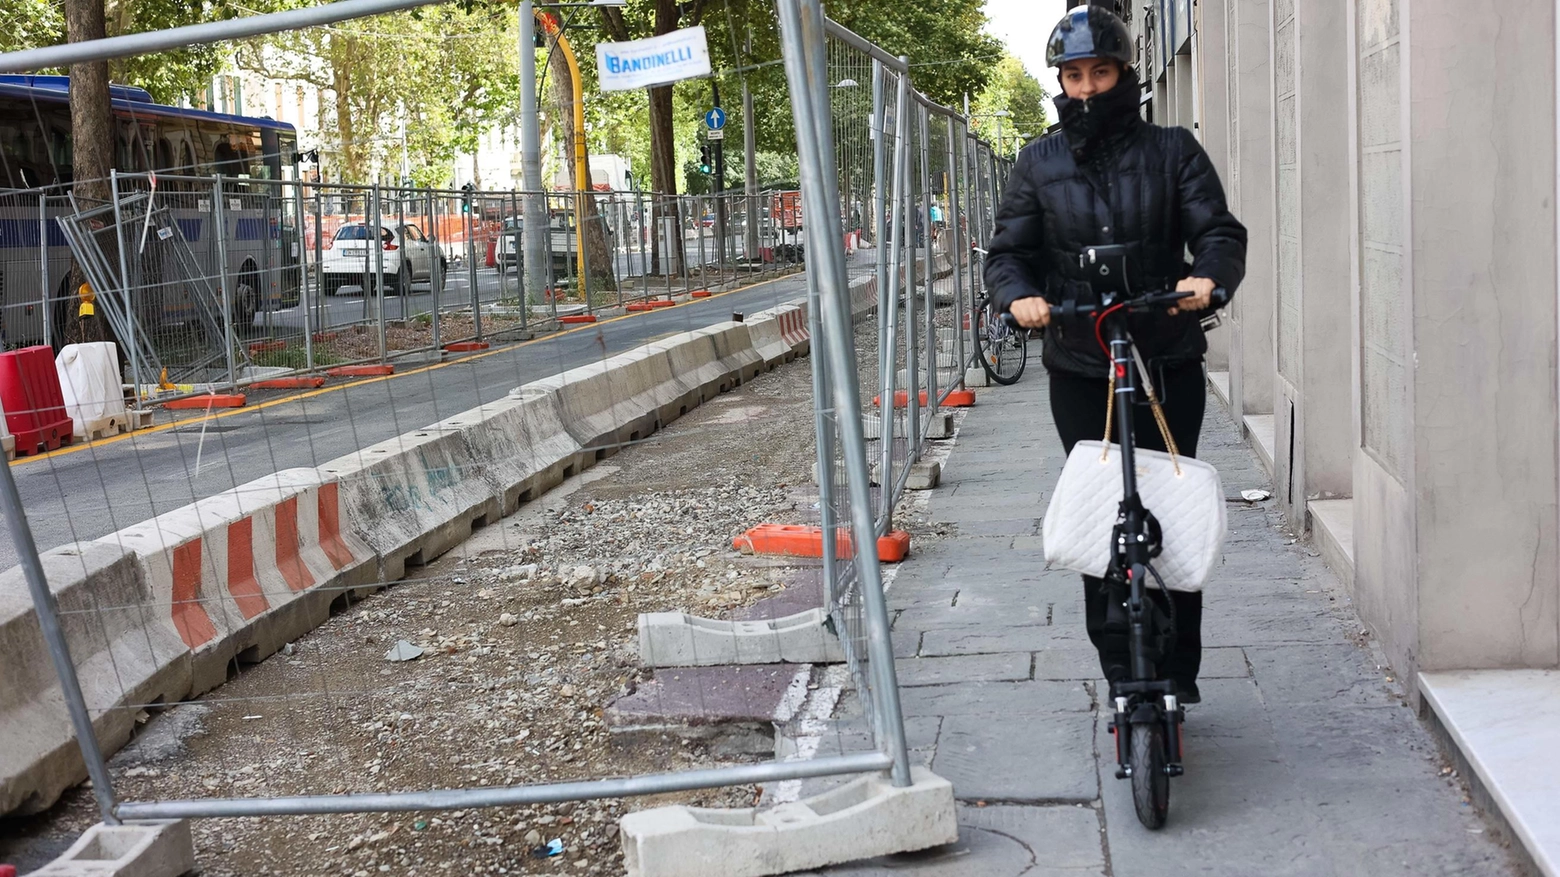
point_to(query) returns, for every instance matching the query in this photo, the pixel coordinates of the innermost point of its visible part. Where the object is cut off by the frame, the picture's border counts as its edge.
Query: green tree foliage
(169, 76)
(441, 77)
(1013, 90)
(30, 24)
(950, 53)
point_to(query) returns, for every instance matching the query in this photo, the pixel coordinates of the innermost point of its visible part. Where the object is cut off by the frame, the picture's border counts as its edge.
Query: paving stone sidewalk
(1303, 758)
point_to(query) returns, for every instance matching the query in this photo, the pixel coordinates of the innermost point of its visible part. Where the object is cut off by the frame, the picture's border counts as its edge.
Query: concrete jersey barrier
(171, 607)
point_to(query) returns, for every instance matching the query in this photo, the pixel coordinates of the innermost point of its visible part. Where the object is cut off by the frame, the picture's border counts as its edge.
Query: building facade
(1392, 354)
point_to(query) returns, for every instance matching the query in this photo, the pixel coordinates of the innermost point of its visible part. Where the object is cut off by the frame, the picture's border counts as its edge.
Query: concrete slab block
(677, 639)
(996, 698)
(863, 818)
(977, 853)
(962, 669)
(133, 849)
(924, 474)
(1503, 723)
(989, 640)
(940, 426)
(1062, 837)
(1260, 431)
(1019, 756)
(704, 695)
(1332, 528)
(976, 377)
(1219, 382)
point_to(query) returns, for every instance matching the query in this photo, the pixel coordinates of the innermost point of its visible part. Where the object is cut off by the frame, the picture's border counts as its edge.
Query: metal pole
(930, 336)
(958, 255)
(47, 610)
(880, 270)
(378, 245)
(124, 283)
(219, 214)
(749, 171)
(508, 796)
(197, 34)
(704, 264)
(912, 289)
(43, 268)
(536, 225)
(471, 259)
(303, 279)
(802, 39)
(324, 321)
(896, 250)
(436, 269)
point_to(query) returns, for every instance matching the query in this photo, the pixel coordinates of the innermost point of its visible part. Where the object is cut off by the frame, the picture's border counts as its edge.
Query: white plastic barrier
(90, 384)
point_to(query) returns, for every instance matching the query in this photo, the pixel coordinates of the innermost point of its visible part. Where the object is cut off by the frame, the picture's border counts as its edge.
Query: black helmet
(1089, 32)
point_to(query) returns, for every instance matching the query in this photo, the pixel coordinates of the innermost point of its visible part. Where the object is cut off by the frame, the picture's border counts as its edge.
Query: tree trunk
(342, 50)
(593, 229)
(663, 175)
(92, 150)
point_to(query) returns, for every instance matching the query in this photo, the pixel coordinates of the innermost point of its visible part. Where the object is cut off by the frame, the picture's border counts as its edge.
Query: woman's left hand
(1201, 289)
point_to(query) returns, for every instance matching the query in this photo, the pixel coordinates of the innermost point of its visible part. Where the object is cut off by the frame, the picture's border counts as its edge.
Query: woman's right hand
(1031, 313)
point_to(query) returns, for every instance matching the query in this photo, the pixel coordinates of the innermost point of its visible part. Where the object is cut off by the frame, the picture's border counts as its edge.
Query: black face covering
(1097, 128)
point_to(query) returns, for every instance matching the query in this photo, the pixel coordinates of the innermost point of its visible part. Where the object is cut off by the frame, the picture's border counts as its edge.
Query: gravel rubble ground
(527, 631)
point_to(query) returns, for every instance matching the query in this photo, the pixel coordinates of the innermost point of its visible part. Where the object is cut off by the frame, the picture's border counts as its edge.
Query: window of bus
(24, 156)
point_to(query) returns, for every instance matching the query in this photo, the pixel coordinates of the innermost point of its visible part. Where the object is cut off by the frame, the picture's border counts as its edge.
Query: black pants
(1078, 405)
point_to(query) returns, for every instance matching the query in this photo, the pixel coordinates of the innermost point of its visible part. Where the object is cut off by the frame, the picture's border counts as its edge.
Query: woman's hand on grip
(1201, 289)
(1031, 313)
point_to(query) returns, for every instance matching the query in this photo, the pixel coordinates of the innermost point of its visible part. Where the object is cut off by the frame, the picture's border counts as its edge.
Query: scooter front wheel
(1150, 780)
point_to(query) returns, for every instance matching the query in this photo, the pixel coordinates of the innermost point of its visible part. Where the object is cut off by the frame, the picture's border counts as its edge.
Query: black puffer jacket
(1150, 188)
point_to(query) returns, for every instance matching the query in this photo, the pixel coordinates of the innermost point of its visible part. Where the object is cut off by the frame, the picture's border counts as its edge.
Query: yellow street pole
(581, 171)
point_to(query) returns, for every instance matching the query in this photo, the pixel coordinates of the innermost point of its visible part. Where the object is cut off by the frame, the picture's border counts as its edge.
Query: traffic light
(465, 198)
(706, 163)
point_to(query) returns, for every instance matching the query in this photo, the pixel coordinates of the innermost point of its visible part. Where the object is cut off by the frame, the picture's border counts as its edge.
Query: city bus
(177, 143)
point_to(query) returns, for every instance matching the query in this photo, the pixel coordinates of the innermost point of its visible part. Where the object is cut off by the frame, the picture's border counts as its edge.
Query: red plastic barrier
(34, 404)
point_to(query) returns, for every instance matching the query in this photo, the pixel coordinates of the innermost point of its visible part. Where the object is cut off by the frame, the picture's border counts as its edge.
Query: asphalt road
(87, 493)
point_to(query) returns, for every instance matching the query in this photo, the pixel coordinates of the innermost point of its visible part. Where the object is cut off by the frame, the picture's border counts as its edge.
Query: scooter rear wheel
(1150, 781)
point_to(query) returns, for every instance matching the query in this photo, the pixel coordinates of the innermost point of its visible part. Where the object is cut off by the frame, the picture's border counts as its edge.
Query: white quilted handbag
(1183, 494)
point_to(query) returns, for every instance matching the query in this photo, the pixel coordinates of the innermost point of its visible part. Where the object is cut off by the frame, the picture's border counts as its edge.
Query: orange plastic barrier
(793, 540)
(361, 371)
(210, 400)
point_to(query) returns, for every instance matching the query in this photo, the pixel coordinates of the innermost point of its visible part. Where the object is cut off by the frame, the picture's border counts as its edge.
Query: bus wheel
(246, 299)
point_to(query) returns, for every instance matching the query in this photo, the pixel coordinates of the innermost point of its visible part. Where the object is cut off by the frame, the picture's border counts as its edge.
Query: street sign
(715, 134)
(715, 120)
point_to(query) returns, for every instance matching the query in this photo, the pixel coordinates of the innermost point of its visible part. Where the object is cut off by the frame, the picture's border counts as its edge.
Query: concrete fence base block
(946, 377)
(864, 818)
(924, 475)
(872, 426)
(976, 376)
(134, 849)
(940, 426)
(676, 639)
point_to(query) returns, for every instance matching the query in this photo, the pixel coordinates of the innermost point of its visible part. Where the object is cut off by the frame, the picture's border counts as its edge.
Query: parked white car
(407, 256)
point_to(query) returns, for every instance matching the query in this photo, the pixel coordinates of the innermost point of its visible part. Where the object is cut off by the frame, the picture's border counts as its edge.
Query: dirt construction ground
(526, 631)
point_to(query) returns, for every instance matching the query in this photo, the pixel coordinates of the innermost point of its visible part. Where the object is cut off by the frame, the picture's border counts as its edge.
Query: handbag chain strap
(1153, 404)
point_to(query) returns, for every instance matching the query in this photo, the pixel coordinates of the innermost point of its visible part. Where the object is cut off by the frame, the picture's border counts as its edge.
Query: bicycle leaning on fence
(1128, 546)
(1002, 349)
